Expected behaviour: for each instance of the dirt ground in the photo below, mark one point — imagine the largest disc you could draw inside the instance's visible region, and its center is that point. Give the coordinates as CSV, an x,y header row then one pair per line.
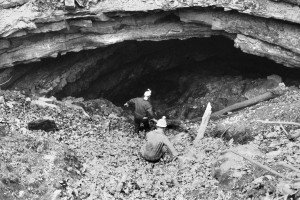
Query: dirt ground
x,y
94,154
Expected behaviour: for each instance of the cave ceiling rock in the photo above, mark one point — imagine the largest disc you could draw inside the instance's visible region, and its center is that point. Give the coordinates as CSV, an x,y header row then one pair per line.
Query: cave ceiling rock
x,y
34,48
273,39
264,8
271,31
104,68
260,48
52,77
32,30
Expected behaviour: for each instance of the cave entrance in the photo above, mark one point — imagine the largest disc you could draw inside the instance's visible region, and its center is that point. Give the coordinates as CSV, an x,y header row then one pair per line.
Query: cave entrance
x,y
184,75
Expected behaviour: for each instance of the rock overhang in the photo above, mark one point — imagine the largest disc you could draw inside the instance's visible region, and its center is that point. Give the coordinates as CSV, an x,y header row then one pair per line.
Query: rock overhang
x,y
29,33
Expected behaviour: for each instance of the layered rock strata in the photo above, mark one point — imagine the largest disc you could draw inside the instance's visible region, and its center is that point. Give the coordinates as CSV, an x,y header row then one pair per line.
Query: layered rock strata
x,y
32,30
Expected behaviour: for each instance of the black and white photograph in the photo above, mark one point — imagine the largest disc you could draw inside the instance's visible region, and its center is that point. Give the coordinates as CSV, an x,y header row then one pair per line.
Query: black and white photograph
x,y
149,99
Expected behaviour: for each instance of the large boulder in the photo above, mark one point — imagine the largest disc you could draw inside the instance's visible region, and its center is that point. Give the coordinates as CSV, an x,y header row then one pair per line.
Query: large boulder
x,y
231,169
238,131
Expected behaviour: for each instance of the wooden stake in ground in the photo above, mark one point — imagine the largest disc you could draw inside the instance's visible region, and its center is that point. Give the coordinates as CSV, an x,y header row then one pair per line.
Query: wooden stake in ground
x,y
204,122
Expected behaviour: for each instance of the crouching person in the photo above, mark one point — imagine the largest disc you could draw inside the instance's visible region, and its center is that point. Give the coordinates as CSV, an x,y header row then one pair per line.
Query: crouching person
x,y
157,143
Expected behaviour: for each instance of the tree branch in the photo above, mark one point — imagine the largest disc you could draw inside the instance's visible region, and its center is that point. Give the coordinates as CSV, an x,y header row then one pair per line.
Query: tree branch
x,y
279,122
289,166
264,97
263,166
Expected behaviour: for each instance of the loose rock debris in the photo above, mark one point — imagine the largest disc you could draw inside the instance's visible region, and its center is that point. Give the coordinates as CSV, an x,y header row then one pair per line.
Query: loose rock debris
x,y
97,157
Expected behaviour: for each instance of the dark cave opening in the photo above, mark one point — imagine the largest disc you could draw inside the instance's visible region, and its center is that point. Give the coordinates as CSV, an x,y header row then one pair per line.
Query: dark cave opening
x,y
184,75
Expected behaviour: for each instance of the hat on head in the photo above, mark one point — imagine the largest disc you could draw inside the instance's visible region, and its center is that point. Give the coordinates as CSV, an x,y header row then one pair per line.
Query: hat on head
x,y
147,93
162,122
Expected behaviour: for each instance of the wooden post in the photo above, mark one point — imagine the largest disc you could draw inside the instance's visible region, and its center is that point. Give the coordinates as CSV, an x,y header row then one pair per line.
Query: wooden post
x,y
204,122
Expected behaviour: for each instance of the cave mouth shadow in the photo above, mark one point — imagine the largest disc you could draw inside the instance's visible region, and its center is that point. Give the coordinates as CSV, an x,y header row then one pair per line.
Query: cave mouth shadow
x,y
180,73
199,62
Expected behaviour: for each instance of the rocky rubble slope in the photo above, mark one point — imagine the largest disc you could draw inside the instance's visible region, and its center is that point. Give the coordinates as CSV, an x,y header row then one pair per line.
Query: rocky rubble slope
x,y
94,154
33,29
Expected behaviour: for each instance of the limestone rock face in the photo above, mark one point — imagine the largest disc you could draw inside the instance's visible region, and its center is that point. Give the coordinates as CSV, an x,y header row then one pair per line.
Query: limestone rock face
x,y
32,30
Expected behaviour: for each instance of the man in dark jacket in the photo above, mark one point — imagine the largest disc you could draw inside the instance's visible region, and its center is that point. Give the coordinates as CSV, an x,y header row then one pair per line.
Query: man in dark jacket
x,y
142,111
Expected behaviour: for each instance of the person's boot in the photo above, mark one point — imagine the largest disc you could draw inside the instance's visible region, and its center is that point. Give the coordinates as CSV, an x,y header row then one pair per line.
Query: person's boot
x,y
136,130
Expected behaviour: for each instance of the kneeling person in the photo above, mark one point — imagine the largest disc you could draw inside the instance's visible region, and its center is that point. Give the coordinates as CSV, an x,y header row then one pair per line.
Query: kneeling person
x,y
153,150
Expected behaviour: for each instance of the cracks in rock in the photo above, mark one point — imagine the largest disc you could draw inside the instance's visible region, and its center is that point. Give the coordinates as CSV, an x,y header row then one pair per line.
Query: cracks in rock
x,y
151,26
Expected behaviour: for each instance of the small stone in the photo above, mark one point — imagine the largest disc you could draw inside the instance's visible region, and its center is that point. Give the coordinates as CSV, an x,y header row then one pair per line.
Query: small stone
x,y
2,100
272,135
296,185
40,148
4,129
23,130
44,99
21,194
10,104
44,104
70,4
275,77
56,195
113,116
273,154
57,185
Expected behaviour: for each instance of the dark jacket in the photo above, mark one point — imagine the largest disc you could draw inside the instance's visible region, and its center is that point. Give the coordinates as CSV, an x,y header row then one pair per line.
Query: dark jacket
x,y
142,108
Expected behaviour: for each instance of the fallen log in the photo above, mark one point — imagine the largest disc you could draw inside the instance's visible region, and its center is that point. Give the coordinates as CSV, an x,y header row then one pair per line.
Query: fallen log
x,y
264,97
239,131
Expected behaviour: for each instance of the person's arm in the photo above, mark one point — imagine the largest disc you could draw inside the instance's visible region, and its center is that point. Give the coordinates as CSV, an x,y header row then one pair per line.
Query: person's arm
x,y
130,102
170,146
150,111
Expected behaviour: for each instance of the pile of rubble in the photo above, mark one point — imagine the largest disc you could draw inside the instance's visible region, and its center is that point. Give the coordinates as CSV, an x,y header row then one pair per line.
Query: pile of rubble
x,y
76,149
